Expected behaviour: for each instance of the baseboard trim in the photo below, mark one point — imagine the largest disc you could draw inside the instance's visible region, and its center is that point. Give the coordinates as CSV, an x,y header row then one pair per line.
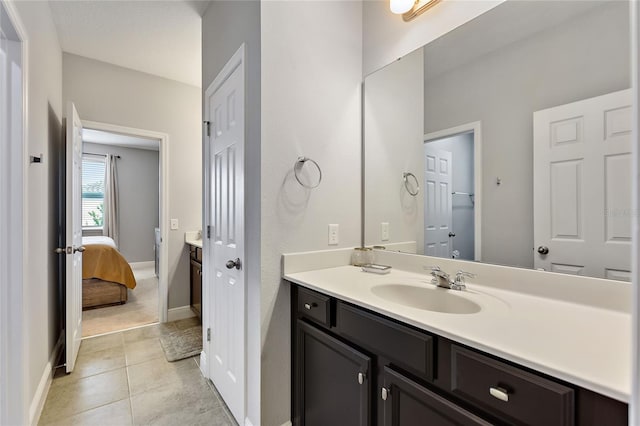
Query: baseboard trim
x,y
181,312
204,368
287,423
142,265
40,397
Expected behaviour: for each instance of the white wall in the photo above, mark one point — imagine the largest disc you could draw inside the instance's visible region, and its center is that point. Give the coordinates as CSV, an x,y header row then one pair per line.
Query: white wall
x,y
110,94
44,113
386,37
138,196
393,131
311,75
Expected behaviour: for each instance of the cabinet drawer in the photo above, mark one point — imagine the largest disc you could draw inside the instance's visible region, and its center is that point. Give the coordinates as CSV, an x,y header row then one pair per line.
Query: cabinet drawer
x,y
403,346
314,305
509,392
196,253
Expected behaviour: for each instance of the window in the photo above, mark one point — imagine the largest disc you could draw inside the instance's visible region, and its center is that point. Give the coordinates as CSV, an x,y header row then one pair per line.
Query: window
x,y
93,177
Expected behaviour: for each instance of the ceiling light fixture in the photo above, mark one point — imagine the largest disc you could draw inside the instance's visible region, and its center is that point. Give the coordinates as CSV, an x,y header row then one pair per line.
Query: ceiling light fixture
x,y
409,9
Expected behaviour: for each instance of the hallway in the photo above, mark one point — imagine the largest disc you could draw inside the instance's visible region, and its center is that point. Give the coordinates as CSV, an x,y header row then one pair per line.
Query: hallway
x,y
124,379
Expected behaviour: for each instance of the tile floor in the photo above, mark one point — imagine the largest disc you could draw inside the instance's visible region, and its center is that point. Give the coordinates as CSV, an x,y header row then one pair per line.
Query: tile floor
x,y
124,379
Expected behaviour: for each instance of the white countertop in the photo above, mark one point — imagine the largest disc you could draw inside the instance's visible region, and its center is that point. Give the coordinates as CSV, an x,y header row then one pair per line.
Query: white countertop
x,y
193,238
582,344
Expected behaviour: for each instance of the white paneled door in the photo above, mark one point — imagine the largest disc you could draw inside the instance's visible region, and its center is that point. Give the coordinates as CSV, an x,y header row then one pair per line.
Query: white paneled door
x,y
582,187
224,270
437,202
73,249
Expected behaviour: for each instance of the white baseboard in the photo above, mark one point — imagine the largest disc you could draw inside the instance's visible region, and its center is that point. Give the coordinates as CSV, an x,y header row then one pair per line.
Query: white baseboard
x,y
40,397
287,423
143,265
179,313
204,369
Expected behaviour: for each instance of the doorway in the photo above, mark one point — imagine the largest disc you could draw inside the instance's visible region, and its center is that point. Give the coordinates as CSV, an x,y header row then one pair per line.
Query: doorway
x,y
140,166
453,194
12,231
122,171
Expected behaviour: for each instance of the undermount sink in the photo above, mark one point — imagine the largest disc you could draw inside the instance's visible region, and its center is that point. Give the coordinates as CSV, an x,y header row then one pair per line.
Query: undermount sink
x,y
429,299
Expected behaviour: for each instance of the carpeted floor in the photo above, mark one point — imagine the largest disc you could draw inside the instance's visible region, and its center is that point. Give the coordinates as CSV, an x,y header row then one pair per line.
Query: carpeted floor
x,y
140,309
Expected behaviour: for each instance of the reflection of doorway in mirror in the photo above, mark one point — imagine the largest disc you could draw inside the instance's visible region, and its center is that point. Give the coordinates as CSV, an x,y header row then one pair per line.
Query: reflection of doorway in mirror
x,y
449,197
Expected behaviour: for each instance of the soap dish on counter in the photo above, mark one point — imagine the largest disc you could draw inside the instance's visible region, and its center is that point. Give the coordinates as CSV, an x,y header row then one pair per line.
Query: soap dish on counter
x,y
376,269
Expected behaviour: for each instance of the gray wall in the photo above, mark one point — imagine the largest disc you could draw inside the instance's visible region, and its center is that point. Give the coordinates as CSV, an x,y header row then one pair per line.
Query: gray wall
x,y
225,26
115,95
461,148
582,59
139,189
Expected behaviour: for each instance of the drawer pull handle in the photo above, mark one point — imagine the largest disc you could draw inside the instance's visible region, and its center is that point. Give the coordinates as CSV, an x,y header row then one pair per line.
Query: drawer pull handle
x,y
499,393
361,377
384,394
308,306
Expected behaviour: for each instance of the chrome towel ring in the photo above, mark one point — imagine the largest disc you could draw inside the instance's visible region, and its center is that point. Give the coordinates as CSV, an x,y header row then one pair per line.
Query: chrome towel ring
x,y
297,169
407,184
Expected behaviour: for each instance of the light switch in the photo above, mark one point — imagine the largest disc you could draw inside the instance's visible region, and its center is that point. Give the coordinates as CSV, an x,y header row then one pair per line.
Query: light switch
x,y
174,224
384,231
333,234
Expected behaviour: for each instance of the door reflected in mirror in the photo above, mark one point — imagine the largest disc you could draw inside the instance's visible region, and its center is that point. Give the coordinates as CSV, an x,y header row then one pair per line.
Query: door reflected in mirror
x,y
517,128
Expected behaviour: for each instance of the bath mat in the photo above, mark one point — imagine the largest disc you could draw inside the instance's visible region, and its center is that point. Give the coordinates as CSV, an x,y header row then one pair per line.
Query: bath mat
x,y
182,343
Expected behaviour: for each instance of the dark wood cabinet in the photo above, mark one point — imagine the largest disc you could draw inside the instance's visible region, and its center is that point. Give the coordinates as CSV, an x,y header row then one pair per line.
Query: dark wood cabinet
x,y
407,403
413,377
332,380
195,278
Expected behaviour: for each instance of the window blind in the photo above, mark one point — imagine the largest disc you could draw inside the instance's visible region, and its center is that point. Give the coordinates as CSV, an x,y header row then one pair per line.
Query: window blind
x,y
93,177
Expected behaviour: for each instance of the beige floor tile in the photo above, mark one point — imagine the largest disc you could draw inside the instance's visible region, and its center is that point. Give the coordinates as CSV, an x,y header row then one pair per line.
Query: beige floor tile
x,y
89,364
100,343
67,398
114,414
143,350
148,332
158,372
185,404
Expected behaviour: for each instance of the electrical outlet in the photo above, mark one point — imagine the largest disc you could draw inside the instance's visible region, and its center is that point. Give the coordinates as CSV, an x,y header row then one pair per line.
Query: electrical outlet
x,y
333,234
384,231
174,224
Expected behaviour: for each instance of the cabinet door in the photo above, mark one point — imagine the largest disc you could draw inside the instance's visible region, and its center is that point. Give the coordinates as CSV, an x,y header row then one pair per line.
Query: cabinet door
x,y
196,287
332,381
406,403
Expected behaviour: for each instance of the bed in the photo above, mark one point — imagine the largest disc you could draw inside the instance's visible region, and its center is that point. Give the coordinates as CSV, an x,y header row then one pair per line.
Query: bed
x,y
106,275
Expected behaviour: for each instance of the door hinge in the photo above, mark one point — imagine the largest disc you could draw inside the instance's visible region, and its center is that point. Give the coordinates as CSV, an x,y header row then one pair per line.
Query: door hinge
x,y
208,231
208,334
207,126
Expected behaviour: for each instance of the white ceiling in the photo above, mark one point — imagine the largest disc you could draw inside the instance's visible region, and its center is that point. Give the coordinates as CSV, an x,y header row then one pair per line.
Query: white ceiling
x,y
157,37
108,138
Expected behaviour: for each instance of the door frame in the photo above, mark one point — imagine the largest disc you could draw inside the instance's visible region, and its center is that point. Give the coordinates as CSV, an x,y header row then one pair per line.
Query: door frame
x,y
475,128
163,138
238,59
634,402
14,404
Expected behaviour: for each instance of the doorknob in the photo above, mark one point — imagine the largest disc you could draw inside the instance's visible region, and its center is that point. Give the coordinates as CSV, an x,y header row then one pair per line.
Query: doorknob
x,y
79,249
452,234
234,264
543,250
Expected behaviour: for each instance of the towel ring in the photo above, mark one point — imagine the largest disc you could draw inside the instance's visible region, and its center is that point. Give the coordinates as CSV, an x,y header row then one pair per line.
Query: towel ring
x,y
405,178
298,166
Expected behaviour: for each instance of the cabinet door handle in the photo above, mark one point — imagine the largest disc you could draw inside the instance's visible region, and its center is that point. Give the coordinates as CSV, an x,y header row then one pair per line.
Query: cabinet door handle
x,y
361,377
384,393
308,306
499,393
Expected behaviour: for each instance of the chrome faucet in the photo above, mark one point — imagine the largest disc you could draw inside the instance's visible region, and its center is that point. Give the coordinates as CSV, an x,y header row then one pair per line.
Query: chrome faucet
x,y
442,279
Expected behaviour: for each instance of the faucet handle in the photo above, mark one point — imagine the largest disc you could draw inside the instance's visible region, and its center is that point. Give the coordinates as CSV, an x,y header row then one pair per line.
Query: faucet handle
x,y
434,268
460,275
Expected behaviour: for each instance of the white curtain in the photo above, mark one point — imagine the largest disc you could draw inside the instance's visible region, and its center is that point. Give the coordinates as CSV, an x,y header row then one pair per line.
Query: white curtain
x,y
110,214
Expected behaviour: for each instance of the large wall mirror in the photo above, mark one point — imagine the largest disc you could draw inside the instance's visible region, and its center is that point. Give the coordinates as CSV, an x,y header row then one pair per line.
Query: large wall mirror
x,y
508,141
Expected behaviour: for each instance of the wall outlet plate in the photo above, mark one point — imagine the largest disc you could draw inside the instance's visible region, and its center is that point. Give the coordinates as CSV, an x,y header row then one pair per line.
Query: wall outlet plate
x,y
384,231
334,231
174,224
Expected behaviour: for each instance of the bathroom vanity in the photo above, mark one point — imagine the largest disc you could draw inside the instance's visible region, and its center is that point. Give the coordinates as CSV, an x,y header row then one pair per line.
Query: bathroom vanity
x,y
396,350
